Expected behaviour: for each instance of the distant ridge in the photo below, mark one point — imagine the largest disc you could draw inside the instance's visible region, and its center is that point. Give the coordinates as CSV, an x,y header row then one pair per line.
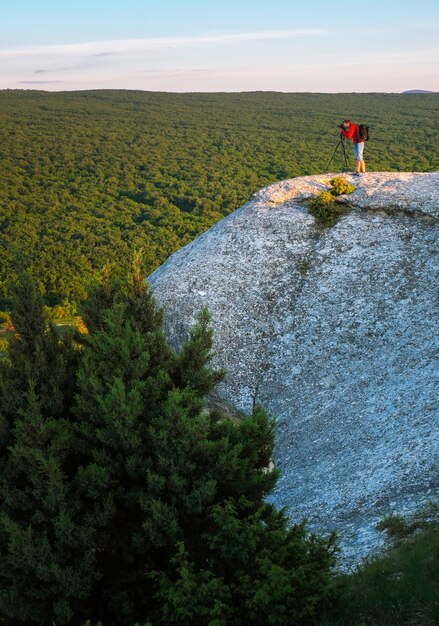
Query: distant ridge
x,y
418,91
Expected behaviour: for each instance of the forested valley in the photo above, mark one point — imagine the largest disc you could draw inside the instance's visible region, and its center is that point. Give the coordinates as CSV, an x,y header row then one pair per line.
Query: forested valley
x,y
90,177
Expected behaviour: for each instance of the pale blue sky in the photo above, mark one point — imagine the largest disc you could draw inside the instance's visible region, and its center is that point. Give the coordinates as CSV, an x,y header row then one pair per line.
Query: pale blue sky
x,y
236,45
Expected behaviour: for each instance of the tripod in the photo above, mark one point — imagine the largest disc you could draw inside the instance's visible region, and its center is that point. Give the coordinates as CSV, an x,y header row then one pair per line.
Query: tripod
x,y
341,142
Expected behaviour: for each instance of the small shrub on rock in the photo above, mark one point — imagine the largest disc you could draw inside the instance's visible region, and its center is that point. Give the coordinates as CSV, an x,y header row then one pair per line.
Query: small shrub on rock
x,y
325,207
399,528
340,186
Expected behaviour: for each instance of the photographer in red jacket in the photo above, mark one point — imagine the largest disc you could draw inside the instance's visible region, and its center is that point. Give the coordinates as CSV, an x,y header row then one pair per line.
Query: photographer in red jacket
x,y
352,131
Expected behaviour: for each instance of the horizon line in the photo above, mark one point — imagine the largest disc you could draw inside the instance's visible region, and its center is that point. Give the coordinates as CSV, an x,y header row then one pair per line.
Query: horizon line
x,y
49,91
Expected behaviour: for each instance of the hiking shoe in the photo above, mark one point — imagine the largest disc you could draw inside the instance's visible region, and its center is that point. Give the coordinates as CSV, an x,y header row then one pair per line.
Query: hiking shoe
x,y
356,174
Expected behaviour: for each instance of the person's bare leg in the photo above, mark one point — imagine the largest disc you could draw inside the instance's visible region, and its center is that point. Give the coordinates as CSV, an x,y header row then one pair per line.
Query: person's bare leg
x,y
357,166
363,166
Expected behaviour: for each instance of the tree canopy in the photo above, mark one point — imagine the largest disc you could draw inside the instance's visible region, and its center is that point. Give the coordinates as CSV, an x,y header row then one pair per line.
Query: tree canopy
x,y
89,177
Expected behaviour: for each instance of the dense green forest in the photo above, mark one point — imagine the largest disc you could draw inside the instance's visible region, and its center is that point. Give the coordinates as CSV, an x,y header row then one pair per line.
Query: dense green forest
x,y
88,177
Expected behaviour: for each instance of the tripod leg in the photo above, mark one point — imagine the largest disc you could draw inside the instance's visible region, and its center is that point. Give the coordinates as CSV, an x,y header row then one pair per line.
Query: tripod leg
x,y
345,157
330,160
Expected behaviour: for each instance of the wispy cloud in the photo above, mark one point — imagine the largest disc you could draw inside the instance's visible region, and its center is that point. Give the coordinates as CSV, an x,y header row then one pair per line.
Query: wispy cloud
x,y
67,68
124,46
39,82
100,54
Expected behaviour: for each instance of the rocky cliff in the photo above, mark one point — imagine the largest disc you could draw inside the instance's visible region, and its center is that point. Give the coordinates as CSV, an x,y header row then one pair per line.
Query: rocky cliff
x,y
336,333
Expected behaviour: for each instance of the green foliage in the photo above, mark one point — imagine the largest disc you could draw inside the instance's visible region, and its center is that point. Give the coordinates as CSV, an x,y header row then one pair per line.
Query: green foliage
x,y
190,370
89,177
38,358
63,311
340,186
325,209
399,528
324,205
399,587
395,526
46,564
102,295
47,561
250,586
125,500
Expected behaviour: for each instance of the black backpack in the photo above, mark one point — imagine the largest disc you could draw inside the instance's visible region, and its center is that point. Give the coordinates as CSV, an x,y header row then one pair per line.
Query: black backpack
x,y
364,132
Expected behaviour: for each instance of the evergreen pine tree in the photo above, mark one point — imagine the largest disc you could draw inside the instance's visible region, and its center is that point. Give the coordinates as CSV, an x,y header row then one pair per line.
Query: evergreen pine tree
x,y
191,539
123,384
190,368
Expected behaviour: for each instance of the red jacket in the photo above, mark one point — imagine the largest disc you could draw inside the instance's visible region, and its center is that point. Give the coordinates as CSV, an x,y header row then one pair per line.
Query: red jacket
x,y
353,133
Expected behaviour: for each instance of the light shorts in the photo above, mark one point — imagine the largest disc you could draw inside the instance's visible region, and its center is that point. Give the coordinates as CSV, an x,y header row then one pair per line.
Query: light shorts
x,y
359,147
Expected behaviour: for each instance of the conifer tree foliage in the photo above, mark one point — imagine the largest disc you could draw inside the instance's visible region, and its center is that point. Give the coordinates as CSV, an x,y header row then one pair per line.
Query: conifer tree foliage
x,y
46,565
36,354
38,361
137,504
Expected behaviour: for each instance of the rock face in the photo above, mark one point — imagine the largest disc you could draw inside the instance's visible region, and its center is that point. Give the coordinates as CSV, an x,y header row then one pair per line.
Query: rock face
x,y
336,333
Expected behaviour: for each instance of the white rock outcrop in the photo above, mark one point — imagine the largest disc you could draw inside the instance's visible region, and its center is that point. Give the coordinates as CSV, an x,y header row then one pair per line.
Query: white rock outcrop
x,y
336,333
